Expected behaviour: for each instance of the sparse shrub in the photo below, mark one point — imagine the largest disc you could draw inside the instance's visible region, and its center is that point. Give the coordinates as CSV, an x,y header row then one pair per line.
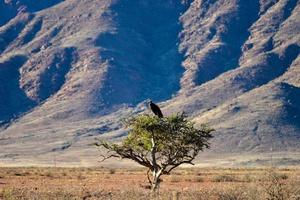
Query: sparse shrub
x,y
247,178
253,192
32,193
274,186
177,172
223,178
7,194
20,174
64,174
198,179
61,195
232,194
107,177
194,179
49,174
174,178
283,176
204,194
112,171
80,176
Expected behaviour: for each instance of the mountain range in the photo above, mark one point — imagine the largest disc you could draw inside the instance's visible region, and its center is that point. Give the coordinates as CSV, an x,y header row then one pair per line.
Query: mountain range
x,y
71,70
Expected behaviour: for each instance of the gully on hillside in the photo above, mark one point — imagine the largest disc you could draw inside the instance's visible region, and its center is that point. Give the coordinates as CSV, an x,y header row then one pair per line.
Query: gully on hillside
x,y
142,51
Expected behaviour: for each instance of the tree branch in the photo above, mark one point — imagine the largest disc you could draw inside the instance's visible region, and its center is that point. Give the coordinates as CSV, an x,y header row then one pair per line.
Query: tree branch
x,y
149,180
107,157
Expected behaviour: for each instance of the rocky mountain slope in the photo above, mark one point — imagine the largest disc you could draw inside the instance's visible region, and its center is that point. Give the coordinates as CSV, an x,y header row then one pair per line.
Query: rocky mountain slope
x,y
71,70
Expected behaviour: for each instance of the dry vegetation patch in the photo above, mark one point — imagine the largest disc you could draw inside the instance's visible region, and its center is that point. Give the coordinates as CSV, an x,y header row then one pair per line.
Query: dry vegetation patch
x,y
189,184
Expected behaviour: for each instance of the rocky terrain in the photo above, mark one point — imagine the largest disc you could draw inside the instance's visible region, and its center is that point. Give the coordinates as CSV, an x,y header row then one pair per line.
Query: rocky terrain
x,y
71,70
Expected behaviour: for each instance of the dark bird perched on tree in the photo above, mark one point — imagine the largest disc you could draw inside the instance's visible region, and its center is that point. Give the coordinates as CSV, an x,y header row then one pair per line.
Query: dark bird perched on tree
x,y
155,109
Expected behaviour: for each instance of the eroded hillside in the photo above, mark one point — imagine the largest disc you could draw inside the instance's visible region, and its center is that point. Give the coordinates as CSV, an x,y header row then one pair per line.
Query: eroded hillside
x,y
71,70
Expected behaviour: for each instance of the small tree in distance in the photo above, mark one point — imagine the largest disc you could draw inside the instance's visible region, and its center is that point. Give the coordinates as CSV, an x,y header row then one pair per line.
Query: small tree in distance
x,y
160,144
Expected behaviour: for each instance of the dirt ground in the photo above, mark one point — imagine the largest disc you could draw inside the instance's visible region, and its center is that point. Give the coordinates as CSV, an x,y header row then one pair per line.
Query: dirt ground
x,y
105,183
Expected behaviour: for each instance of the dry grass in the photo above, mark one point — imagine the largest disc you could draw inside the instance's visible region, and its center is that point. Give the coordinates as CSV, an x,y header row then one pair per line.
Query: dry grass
x,y
189,184
224,178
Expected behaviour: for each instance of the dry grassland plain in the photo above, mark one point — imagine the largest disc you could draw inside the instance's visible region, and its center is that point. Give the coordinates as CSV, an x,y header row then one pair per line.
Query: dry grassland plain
x,y
183,183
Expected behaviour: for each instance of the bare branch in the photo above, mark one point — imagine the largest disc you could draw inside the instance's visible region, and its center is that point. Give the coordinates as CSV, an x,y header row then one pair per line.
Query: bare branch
x,y
177,165
107,157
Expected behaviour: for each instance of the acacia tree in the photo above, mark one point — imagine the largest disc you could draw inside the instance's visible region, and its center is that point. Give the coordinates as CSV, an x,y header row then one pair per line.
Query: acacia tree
x,y
159,144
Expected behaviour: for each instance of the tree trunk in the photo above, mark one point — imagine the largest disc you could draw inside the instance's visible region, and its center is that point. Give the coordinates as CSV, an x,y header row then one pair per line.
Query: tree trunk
x,y
155,182
156,172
